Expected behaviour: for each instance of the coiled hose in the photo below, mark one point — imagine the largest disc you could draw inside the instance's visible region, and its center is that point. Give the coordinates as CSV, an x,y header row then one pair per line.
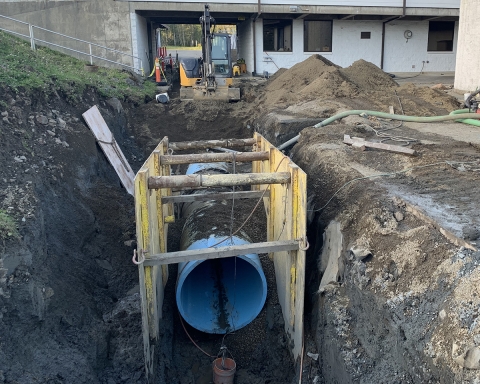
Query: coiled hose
x,y
466,121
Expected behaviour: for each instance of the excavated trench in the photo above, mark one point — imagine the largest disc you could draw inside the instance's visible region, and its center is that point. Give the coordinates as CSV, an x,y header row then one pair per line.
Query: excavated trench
x,y
69,302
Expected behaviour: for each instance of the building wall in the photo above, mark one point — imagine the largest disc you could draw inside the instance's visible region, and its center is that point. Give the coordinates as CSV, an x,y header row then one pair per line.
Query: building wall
x,y
347,47
403,56
467,75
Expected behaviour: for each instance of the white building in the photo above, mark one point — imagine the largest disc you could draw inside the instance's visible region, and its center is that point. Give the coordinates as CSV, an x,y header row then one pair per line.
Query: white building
x,y
396,35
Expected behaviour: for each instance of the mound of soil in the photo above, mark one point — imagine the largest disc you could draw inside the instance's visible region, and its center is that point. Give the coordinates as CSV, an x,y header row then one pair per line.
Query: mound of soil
x,y
316,85
368,76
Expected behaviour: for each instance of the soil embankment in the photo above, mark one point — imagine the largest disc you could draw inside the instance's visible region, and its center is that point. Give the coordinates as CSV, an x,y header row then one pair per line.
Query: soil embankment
x,y
405,309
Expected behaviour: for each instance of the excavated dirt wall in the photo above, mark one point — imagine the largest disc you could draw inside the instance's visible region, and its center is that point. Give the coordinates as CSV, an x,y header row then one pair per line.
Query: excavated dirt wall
x,y
396,313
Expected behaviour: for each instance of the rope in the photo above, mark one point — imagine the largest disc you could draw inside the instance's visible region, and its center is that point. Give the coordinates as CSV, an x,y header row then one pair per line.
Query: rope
x,y
114,145
253,210
196,345
234,165
388,137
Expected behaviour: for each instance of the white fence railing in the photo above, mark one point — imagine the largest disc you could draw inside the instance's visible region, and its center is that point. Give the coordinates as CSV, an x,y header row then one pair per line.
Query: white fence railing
x,y
135,64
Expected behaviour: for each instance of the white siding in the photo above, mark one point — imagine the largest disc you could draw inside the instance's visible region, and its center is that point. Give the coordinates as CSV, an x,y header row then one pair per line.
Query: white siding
x,y
401,56
347,47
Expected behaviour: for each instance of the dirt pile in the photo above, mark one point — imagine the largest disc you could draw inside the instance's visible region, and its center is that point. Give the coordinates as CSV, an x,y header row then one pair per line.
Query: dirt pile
x,y
368,76
318,78
318,88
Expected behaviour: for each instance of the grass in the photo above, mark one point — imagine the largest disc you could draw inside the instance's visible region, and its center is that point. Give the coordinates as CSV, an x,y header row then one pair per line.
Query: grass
x,y
7,227
47,70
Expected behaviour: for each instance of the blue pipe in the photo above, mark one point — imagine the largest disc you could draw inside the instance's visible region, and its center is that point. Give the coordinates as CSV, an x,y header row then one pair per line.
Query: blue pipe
x,y
220,295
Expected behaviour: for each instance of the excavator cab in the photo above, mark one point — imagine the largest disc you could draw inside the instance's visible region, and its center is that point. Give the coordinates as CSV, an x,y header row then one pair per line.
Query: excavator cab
x,y
214,79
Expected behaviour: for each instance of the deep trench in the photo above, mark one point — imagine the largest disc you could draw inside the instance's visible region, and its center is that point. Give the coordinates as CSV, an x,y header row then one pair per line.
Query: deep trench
x,y
73,315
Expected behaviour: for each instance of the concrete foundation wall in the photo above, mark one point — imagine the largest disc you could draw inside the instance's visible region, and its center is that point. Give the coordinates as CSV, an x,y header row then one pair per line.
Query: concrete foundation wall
x,y
140,46
467,75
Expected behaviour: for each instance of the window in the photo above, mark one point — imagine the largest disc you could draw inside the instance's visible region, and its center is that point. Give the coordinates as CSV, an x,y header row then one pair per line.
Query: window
x,y
365,35
440,36
277,35
317,36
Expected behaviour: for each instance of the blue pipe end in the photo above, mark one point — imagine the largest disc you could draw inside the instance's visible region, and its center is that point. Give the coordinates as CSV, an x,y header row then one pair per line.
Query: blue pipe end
x,y
221,295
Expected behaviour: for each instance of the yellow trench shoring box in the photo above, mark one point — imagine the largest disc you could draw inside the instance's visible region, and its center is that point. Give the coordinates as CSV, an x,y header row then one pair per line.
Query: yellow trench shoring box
x,y
285,206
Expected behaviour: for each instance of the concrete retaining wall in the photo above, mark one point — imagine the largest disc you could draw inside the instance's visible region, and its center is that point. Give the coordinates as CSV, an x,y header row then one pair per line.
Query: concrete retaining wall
x,y
105,23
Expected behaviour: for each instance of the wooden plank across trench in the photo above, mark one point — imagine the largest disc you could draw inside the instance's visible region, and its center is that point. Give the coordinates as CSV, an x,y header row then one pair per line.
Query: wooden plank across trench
x,y
216,253
215,196
214,157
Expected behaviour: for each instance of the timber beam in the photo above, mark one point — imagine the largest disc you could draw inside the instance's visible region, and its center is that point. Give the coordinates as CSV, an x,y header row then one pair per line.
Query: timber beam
x,y
214,157
215,196
227,143
195,180
220,252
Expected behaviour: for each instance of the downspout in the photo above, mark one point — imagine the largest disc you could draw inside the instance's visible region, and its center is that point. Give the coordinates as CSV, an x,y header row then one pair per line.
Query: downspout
x,y
383,31
259,11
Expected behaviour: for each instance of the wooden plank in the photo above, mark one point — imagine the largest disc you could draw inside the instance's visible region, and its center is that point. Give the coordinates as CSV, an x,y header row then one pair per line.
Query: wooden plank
x,y
229,180
216,253
213,158
386,147
214,196
418,212
107,142
227,143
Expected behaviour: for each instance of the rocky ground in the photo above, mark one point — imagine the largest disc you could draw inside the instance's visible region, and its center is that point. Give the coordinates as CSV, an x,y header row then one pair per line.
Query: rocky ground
x,y
403,309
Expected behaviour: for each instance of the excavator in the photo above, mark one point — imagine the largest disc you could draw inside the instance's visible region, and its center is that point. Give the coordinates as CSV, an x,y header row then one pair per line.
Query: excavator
x,y
209,77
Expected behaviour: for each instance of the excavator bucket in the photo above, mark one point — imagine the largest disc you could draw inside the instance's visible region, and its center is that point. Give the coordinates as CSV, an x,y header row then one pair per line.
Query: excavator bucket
x,y
220,93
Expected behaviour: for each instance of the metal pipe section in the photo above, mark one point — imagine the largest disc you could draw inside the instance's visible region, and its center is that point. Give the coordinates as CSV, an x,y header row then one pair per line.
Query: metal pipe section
x,y
221,295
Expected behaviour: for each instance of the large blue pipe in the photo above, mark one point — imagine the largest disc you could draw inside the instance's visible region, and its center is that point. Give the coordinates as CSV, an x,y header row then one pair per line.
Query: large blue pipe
x,y
220,295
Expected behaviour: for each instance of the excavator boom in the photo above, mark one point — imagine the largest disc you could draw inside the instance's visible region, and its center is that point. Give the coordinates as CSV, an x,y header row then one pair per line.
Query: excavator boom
x,y
211,76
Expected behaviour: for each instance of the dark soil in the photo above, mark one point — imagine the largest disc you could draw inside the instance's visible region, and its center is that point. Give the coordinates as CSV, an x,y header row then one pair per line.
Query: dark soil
x,y
69,302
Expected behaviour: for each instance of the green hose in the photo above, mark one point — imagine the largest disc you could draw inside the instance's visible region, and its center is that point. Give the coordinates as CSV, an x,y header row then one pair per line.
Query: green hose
x,y
460,116
466,121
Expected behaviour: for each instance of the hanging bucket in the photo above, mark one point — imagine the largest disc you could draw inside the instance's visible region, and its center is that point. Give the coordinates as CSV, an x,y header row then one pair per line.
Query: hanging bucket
x,y
226,373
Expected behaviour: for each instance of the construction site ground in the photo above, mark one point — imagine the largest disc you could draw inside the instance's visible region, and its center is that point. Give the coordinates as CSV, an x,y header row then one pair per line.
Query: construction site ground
x,y
404,309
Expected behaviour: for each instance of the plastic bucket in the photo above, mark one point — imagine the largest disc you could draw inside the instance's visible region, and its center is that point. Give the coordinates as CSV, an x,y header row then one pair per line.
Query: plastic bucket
x,y
225,374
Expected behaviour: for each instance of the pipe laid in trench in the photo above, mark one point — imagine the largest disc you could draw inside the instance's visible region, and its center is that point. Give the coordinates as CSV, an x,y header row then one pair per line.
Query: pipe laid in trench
x,y
220,295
